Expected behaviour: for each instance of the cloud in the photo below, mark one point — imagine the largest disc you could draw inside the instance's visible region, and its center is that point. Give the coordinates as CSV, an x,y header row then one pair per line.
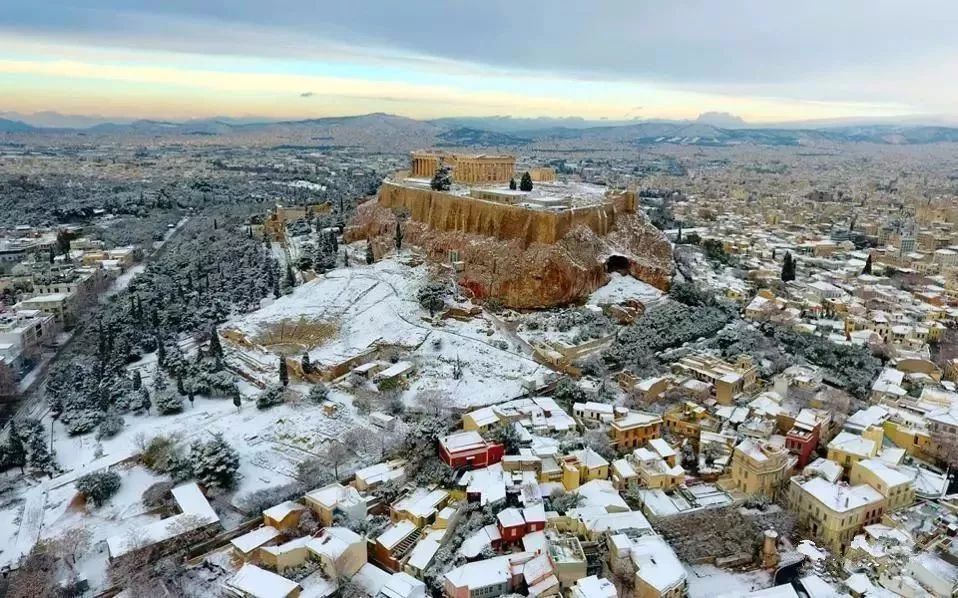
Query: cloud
x,y
881,52
307,94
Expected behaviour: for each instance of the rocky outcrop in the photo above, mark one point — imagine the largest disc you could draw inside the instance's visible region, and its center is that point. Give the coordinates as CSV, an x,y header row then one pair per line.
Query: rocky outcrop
x,y
510,262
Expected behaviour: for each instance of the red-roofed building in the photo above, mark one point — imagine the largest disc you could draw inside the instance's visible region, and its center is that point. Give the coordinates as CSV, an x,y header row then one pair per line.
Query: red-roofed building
x,y
469,450
803,438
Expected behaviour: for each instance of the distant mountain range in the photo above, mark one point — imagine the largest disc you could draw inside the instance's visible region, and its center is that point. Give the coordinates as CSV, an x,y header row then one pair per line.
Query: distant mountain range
x,y
390,132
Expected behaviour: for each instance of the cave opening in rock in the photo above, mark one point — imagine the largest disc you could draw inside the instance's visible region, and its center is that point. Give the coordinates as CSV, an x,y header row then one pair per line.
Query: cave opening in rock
x,y
617,263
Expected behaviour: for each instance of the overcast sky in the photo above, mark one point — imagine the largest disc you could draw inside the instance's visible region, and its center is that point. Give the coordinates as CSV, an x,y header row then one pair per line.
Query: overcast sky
x,y
763,60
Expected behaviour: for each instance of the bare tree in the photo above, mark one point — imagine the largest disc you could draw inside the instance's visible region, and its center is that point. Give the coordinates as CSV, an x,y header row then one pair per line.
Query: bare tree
x,y
72,545
432,402
336,454
36,575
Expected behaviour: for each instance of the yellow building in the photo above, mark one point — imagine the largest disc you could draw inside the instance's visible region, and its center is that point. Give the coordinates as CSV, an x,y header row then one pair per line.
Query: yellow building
x,y
913,437
834,512
635,429
847,449
421,506
581,466
892,484
761,467
324,501
728,379
688,420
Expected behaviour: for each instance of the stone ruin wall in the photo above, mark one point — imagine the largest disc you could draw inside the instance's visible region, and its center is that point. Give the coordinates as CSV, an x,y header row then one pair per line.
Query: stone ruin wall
x,y
450,213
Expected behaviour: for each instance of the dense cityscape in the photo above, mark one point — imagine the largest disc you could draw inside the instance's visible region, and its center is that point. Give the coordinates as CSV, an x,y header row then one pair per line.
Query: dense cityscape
x,y
478,301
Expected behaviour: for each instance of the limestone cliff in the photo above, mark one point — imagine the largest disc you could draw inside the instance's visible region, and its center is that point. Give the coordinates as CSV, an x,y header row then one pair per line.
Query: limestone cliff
x,y
510,262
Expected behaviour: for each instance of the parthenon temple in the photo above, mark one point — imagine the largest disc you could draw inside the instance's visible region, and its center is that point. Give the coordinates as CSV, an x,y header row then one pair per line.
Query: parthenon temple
x,y
467,169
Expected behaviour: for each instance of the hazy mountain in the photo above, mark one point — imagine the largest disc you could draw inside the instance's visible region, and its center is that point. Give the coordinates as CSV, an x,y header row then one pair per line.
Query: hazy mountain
x,y
725,120
14,126
55,120
386,132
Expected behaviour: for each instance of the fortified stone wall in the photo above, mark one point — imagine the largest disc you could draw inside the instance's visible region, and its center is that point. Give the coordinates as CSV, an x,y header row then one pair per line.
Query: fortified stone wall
x,y
451,213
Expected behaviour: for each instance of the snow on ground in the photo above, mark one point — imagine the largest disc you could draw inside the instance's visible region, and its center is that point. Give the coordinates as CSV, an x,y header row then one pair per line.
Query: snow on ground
x,y
709,580
270,443
377,304
623,288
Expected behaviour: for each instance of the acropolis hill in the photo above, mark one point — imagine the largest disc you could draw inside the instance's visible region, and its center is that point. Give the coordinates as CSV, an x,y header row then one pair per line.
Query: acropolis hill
x,y
552,245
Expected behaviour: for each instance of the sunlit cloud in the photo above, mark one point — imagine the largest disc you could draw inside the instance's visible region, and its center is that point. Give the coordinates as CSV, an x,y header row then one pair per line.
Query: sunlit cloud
x,y
620,60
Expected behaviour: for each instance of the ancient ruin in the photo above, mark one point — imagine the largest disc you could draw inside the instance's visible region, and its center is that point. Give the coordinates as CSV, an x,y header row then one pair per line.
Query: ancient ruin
x,y
552,245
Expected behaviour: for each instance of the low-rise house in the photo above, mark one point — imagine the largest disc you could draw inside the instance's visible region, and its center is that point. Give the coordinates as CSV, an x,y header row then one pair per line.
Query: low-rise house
x,y
195,514
340,552
847,448
469,450
594,587
728,379
487,579
252,582
581,466
894,485
245,547
370,477
761,468
419,506
834,512
635,429
803,437
658,572
332,497
283,516
394,543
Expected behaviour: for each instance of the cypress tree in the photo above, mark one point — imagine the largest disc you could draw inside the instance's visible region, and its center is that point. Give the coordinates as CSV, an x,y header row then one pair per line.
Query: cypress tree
x,y
236,399
307,364
216,349
137,380
16,453
525,184
370,257
283,372
788,268
290,276
512,183
868,265
399,236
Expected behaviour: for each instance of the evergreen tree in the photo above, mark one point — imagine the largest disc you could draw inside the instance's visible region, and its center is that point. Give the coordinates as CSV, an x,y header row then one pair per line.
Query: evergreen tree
x,y
290,277
345,258
98,486
137,380
441,181
166,400
678,238
214,463
283,372
788,267
370,257
179,384
160,351
318,393
512,183
398,236
306,364
237,400
216,349
145,402
274,395
16,454
868,265
525,184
